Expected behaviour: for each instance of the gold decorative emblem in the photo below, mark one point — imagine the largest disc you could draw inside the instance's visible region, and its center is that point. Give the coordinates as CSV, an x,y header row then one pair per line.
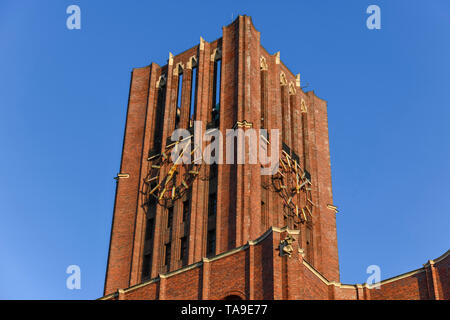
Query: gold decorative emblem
x,y
286,246
293,184
169,175
243,124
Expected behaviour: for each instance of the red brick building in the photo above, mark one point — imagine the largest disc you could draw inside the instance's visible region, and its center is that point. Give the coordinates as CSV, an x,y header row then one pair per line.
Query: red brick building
x,y
226,231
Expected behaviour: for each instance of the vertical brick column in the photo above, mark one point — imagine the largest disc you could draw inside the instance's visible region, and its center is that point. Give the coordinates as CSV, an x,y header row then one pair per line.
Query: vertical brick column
x,y
265,180
431,277
331,292
120,294
277,268
148,143
299,142
162,287
248,198
435,280
360,293
186,96
327,253
185,101
251,272
294,270
226,198
161,213
253,108
122,233
276,122
312,164
286,114
366,293
206,272
198,221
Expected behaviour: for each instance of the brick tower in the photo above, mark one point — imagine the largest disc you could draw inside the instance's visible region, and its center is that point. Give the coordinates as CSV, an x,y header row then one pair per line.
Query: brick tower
x,y
232,82
225,230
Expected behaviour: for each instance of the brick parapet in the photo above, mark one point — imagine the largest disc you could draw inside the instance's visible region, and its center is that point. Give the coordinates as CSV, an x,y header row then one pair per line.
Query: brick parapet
x,y
286,278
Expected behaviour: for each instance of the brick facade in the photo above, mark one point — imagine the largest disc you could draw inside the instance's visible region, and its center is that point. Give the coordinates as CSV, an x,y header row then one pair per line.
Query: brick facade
x,y
257,271
158,252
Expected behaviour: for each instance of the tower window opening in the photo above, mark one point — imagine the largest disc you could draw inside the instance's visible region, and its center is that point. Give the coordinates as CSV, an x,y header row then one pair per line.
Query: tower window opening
x,y
263,99
212,205
178,106
215,112
169,217
183,248
149,229
159,118
213,171
146,265
211,242
167,254
193,105
186,210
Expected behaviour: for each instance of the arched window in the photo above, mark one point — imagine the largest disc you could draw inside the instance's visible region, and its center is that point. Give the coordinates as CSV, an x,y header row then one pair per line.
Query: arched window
x,y
215,84
160,109
285,133
193,105
178,71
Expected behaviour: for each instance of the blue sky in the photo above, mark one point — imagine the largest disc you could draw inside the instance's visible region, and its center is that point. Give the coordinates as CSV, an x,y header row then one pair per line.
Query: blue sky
x,y
63,99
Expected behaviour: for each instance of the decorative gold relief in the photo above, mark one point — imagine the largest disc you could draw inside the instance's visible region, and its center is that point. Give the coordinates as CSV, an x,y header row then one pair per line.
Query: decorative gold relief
x,y
292,90
178,69
303,106
122,176
286,246
161,81
243,124
331,207
217,54
277,57
283,80
192,62
169,178
293,184
263,64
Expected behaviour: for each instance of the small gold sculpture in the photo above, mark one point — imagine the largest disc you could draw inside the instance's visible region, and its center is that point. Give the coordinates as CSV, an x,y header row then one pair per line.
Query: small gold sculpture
x,y
286,246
